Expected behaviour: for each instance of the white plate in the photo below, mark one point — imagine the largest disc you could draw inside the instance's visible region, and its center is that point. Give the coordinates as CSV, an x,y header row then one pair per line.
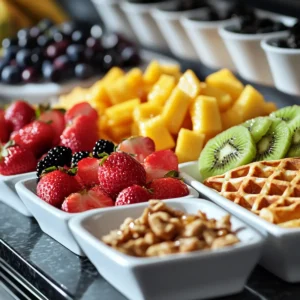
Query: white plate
x,y
198,275
9,194
36,93
281,254
52,220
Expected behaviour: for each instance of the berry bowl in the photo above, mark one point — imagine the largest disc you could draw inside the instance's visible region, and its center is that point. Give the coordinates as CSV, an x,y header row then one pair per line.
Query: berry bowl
x,y
226,269
9,194
245,50
143,24
280,253
52,220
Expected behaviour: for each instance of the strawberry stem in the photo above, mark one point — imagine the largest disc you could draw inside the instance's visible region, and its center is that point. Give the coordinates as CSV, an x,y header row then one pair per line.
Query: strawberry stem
x,y
172,174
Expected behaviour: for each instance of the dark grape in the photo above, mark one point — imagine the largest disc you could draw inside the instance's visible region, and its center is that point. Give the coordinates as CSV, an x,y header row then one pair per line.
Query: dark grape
x,y
44,41
11,75
30,74
110,41
3,63
111,59
83,71
45,24
76,52
57,49
94,44
8,42
23,33
27,42
51,74
130,56
58,37
67,28
10,53
62,63
23,58
79,37
34,32
96,31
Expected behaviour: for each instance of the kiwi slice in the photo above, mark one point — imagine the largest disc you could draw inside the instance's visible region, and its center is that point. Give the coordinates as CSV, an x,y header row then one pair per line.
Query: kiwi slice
x,y
232,148
258,127
294,150
287,114
275,143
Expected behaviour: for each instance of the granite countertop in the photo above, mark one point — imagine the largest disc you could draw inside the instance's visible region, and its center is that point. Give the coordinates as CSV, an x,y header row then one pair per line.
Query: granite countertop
x,y
59,274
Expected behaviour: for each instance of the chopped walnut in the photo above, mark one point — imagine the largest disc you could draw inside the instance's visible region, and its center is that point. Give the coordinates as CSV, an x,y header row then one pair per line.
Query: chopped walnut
x,y
162,230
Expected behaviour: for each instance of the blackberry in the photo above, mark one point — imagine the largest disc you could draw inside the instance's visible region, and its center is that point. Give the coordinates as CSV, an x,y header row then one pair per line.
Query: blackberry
x,y
58,156
79,156
102,146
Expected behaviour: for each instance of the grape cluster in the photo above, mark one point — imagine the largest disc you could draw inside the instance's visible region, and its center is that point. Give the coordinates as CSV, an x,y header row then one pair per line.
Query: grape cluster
x,y
55,53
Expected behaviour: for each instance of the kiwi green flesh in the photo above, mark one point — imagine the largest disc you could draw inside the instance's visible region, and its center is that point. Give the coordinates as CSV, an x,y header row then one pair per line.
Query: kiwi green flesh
x,y
230,149
258,127
275,143
287,114
294,150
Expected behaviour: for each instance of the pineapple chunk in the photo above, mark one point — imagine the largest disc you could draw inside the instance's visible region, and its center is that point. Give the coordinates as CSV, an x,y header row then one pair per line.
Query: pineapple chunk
x,y
269,107
176,109
118,133
112,75
189,145
226,81
187,122
251,103
103,123
156,129
135,129
146,110
152,73
173,70
98,94
224,99
162,90
122,113
190,84
231,117
134,78
205,115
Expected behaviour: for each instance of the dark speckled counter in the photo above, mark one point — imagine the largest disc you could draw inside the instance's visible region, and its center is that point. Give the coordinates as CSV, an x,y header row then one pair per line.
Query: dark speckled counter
x,y
58,274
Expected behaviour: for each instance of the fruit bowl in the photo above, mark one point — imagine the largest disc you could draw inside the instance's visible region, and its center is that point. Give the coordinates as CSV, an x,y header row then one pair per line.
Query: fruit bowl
x,y
9,194
226,270
280,253
52,220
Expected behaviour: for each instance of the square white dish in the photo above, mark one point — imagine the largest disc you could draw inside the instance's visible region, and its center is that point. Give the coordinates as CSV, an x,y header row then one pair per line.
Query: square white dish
x,y
177,276
9,195
52,220
280,252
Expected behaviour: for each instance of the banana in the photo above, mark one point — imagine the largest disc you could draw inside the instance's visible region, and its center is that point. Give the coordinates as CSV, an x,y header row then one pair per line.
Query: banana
x,y
5,24
41,9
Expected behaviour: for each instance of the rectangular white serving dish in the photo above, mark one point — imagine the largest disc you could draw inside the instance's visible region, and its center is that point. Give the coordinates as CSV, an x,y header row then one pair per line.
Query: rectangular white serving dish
x,y
197,275
280,254
52,220
9,194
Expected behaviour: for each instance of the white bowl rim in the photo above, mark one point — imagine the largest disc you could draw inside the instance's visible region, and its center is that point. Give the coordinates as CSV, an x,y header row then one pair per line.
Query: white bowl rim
x,y
188,22
159,13
264,224
269,48
142,7
11,177
75,224
107,2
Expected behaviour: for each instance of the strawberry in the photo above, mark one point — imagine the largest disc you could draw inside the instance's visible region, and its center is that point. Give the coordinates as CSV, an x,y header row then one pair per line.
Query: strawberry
x,y
55,186
81,109
159,163
56,120
133,194
88,171
36,136
19,114
119,171
139,146
86,200
81,135
4,132
16,160
166,188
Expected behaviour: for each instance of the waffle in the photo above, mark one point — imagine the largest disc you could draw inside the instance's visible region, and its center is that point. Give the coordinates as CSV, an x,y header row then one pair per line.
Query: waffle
x,y
270,189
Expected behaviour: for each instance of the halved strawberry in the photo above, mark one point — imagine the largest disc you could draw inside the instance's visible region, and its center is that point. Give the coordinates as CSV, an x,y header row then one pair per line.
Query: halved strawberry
x,y
56,120
81,109
139,146
86,200
159,163
88,171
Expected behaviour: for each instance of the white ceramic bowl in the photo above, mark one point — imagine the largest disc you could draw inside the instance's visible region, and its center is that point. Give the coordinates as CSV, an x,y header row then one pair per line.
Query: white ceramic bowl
x,y
9,194
114,17
285,67
249,58
145,28
52,220
207,42
198,275
280,252
174,33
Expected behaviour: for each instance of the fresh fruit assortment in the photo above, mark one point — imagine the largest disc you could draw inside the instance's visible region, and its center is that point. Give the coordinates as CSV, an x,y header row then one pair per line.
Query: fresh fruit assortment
x,y
258,139
55,53
175,110
162,230
128,173
269,189
292,41
33,131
